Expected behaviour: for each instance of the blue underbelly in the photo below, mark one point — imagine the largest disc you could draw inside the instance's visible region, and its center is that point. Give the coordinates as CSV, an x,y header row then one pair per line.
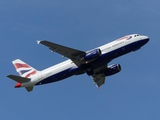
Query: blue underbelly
x,y
56,77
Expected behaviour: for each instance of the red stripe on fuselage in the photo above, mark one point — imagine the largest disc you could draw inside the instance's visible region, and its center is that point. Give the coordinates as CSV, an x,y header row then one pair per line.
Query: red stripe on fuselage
x,y
19,65
123,38
32,73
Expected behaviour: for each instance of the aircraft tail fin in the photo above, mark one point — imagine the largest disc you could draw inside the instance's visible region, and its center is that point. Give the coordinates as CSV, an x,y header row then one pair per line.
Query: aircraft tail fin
x,y
24,69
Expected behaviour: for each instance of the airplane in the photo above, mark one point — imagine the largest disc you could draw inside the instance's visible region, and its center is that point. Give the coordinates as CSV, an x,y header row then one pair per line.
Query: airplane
x,y
93,62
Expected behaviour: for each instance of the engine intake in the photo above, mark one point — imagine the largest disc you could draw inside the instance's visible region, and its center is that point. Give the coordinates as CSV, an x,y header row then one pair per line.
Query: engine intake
x,y
92,55
112,69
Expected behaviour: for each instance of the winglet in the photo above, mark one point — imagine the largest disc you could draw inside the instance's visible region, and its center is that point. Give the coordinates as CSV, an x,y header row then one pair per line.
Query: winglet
x,y
38,41
97,86
29,89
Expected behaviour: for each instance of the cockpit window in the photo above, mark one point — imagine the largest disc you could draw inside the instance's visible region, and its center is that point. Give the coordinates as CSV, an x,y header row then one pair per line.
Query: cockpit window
x,y
136,35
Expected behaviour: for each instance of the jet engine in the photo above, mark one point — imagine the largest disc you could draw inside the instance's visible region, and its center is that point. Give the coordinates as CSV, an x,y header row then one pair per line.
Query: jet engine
x,y
92,55
112,69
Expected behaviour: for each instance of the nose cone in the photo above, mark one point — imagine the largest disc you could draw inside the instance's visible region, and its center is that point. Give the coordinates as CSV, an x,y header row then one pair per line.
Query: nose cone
x,y
145,38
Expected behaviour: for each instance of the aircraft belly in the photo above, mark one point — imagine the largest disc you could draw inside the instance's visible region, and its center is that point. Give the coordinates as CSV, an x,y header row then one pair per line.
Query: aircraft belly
x,y
56,77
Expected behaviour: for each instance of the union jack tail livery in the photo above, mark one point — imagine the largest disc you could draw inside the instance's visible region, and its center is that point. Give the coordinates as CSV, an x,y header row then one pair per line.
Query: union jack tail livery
x,y
24,69
26,73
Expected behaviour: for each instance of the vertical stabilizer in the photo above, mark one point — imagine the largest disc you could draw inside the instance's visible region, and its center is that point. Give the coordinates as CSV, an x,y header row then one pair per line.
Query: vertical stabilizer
x,y
24,69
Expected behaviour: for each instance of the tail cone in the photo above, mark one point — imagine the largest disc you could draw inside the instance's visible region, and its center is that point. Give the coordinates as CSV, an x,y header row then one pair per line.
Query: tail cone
x,y
17,85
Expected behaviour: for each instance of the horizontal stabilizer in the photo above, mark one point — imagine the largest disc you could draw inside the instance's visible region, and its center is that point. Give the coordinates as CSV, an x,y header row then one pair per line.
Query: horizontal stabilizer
x,y
18,78
29,89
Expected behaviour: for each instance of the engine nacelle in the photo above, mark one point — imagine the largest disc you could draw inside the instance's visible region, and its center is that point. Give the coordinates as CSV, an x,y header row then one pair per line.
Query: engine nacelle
x,y
92,55
112,69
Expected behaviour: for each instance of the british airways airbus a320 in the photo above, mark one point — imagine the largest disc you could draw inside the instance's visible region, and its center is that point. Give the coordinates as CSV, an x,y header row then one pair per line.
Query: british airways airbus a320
x,y
93,62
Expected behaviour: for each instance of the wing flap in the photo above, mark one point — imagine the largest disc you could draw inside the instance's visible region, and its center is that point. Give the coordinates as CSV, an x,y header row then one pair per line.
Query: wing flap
x,y
18,78
73,54
99,79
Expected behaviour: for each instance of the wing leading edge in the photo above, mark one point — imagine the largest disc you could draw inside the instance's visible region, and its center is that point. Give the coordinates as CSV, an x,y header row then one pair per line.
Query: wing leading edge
x,y
73,54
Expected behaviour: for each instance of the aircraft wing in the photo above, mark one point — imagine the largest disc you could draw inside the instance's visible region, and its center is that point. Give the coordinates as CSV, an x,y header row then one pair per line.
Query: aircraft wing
x,y
73,54
99,79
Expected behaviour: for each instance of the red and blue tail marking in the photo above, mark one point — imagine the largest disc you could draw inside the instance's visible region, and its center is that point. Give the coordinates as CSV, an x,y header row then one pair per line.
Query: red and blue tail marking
x,y
24,69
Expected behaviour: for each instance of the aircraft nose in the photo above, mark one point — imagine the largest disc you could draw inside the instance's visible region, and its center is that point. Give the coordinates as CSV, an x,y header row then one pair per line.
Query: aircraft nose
x,y
145,38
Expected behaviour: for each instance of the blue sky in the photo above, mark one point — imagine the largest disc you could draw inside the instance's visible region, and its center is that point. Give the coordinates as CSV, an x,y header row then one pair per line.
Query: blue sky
x,y
134,93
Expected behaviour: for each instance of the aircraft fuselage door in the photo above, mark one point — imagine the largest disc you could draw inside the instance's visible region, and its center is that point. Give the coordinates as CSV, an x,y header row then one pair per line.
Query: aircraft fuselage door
x,y
127,41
